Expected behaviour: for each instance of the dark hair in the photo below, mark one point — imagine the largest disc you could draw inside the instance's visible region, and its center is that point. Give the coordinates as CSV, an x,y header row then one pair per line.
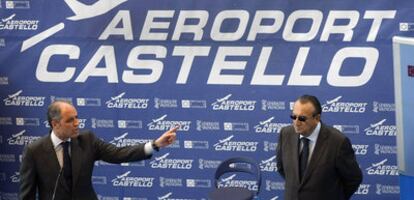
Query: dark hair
x,y
54,111
314,101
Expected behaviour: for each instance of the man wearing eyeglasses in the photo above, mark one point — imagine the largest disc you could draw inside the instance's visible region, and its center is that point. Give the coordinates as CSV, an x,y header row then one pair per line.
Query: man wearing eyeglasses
x,y
316,160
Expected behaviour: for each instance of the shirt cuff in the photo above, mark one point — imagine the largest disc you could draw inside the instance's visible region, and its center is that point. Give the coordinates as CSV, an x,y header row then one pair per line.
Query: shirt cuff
x,y
148,148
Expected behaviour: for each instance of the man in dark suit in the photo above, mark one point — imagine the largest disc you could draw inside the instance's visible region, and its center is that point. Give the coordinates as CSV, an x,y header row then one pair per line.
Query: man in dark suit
x,y
316,160
56,169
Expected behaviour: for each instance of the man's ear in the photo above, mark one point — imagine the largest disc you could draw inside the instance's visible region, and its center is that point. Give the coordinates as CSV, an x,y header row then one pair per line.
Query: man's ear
x,y
55,123
318,117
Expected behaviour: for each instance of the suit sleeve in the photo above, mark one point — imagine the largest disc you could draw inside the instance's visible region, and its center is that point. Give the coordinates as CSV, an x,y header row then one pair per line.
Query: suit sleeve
x,y
113,154
348,168
28,182
279,162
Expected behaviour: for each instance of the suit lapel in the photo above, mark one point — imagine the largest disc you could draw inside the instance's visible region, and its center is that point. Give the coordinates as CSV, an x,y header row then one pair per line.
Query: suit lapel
x,y
52,161
293,142
317,152
51,157
76,159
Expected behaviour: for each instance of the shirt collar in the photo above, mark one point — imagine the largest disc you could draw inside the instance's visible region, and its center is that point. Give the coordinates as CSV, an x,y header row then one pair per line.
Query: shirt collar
x,y
315,133
55,140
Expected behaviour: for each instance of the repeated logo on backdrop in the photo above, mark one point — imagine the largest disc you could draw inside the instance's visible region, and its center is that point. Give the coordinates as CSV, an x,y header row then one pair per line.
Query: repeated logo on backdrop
x,y
228,75
338,105
127,180
16,99
164,162
230,143
13,22
381,128
120,101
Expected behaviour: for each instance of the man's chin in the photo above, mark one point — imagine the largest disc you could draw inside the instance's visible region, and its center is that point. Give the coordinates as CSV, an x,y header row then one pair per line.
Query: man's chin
x,y
75,135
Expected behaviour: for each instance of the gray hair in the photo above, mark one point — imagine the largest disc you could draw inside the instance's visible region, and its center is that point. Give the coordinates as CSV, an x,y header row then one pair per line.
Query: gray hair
x,y
54,111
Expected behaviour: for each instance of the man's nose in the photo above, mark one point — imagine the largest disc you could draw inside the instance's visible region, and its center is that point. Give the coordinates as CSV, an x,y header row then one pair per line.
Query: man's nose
x,y
297,121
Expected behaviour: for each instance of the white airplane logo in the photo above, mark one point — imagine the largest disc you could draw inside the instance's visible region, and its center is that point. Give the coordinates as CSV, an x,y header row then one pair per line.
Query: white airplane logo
x,y
118,97
228,178
8,18
224,140
15,94
165,196
160,158
159,119
222,99
17,135
119,137
268,160
378,164
123,175
376,124
265,122
334,100
83,11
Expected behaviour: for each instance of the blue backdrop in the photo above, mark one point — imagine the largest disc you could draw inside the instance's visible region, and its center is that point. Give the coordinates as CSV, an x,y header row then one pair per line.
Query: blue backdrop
x,y
228,72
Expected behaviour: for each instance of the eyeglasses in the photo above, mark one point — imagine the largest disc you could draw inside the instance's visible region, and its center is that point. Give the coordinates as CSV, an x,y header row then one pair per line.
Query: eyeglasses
x,y
300,117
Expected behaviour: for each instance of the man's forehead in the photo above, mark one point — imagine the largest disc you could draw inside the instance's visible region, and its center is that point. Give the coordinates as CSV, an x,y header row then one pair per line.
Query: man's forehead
x,y
303,107
68,109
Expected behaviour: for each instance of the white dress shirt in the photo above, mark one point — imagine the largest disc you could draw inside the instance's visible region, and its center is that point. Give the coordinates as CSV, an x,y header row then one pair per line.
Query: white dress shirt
x,y
57,145
312,140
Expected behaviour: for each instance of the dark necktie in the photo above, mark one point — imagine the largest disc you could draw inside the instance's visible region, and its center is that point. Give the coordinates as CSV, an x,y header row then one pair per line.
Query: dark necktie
x,y
303,156
67,164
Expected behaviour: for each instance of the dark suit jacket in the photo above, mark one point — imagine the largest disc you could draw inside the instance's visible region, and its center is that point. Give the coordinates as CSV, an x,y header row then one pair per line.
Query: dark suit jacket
x,y
40,167
332,173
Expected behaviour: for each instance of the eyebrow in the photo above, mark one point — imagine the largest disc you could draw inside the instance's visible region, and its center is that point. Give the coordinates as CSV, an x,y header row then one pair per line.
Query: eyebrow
x,y
72,118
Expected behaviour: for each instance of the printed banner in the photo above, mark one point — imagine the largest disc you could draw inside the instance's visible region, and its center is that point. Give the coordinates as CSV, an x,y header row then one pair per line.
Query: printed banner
x,y
228,72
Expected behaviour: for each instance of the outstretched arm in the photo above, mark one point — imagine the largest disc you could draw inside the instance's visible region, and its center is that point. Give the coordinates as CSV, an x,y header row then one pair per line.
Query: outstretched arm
x,y
112,154
167,138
